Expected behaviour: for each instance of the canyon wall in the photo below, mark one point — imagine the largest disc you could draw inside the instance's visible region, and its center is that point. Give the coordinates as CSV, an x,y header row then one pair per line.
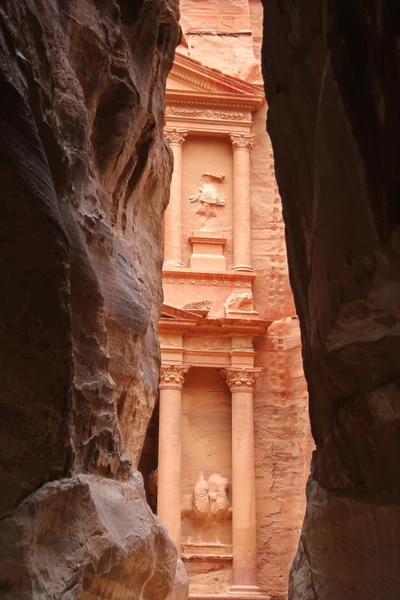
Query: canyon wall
x,y
331,73
84,173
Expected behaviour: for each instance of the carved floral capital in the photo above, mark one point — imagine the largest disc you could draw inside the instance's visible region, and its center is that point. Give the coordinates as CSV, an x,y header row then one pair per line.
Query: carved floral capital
x,y
172,375
176,136
242,140
240,380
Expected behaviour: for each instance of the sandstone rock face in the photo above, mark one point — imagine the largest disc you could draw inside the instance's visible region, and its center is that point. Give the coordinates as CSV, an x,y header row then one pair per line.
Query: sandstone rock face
x,y
84,174
106,533
331,76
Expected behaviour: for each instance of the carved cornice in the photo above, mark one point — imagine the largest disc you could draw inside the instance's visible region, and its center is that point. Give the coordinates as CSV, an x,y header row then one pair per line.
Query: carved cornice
x,y
196,81
176,136
240,380
173,376
242,140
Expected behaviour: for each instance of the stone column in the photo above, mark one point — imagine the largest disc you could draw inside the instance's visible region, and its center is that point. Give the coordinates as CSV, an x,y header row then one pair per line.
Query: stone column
x,y
244,577
169,450
242,144
173,214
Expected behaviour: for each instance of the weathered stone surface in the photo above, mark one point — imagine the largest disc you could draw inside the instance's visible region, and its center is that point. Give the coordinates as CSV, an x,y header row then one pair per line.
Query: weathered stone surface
x,y
86,537
331,75
219,34
84,175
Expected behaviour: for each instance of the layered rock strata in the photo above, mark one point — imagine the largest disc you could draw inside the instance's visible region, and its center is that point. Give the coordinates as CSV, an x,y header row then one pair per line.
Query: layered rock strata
x,y
84,173
331,73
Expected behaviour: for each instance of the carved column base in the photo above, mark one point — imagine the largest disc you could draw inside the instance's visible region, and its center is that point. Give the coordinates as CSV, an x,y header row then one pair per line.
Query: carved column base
x,y
242,268
245,590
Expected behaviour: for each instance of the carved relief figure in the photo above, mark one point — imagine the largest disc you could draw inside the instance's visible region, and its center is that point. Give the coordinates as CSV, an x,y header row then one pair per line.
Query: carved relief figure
x,y
210,500
219,503
208,197
239,301
201,502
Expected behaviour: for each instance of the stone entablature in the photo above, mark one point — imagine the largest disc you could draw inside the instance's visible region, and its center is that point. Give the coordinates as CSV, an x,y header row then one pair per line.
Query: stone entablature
x,y
210,102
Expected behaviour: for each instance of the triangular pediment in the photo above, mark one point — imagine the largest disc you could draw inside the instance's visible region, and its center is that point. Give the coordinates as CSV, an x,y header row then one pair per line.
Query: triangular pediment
x,y
173,83
189,79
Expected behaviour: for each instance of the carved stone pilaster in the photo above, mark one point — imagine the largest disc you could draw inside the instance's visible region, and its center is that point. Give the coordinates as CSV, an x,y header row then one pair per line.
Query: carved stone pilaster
x,y
172,376
176,136
241,380
242,140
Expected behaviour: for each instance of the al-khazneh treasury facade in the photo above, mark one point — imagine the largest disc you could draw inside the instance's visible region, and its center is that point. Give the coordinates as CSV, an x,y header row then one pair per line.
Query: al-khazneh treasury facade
x,y
227,456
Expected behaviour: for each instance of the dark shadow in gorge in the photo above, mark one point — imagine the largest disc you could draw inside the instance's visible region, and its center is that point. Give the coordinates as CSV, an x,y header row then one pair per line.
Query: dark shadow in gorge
x,y
332,79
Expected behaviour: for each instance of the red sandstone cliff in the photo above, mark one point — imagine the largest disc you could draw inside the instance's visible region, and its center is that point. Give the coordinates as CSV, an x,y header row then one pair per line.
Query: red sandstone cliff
x,y
84,174
331,72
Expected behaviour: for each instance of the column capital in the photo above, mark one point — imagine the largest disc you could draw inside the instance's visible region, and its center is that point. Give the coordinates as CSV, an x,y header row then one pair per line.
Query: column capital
x,y
173,376
241,379
242,140
176,136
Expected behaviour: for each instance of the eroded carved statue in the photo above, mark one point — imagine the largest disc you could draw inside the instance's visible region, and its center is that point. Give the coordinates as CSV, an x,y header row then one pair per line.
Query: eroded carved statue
x,y
210,500
239,301
208,198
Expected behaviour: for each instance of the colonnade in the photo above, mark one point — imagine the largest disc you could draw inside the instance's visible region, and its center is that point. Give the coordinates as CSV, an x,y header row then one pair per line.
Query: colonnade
x,y
241,382
242,143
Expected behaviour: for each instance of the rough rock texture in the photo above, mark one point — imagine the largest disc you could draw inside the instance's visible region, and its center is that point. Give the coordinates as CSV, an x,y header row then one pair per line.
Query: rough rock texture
x,y
332,81
219,33
103,529
84,174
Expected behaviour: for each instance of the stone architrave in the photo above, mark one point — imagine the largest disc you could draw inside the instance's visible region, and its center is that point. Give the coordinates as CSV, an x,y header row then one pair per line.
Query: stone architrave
x,y
173,214
241,383
169,450
242,144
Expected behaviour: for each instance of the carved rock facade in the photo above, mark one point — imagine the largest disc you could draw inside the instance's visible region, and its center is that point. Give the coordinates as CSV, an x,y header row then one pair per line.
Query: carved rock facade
x,y
228,305
84,175
332,83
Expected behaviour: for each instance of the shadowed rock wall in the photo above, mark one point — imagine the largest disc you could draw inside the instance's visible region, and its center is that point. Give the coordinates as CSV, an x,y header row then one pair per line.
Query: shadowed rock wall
x,y
332,80
84,176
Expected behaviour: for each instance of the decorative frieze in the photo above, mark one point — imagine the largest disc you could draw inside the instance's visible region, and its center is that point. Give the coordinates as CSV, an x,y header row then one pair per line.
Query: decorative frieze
x,y
240,380
172,376
208,282
207,113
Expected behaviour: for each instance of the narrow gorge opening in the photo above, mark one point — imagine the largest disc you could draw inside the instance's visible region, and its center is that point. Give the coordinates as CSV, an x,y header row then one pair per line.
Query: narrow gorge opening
x,y
135,381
